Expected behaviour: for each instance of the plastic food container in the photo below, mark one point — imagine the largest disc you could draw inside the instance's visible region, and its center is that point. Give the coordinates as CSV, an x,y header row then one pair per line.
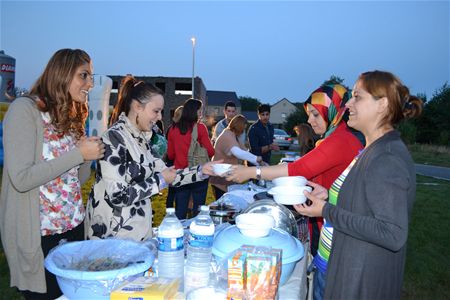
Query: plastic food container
x,y
92,269
255,225
230,239
290,181
220,169
289,195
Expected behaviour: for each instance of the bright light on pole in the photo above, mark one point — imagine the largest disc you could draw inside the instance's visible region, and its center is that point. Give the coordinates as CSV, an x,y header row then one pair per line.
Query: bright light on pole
x,y
193,64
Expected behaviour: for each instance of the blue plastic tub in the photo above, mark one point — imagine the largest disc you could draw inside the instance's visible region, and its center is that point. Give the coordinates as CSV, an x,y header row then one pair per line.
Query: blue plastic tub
x,y
230,239
92,269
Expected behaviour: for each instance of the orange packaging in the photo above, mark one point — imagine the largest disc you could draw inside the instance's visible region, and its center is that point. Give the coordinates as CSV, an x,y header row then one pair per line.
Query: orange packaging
x,y
236,275
258,279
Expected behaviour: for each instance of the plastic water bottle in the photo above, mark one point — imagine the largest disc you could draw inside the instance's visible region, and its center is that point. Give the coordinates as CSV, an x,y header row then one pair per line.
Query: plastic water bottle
x,y
199,251
170,246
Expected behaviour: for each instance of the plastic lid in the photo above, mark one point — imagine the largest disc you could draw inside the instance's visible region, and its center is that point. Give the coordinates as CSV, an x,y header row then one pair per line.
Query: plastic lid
x,y
204,208
170,210
230,239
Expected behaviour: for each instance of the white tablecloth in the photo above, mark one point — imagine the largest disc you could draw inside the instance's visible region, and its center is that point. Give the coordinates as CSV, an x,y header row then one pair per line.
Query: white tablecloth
x,y
296,287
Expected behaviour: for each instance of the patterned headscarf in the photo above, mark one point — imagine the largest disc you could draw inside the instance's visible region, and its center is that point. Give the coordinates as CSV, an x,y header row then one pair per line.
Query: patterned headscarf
x,y
330,101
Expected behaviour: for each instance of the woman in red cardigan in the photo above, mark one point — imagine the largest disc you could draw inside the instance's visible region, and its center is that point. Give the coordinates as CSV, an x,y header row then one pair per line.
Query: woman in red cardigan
x,y
332,154
179,140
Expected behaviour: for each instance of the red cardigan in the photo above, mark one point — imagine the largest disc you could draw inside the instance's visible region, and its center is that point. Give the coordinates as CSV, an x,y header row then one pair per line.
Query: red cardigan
x,y
329,159
178,144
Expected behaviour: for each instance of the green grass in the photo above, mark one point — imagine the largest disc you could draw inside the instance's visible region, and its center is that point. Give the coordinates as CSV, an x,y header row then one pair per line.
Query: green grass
x,y
430,154
426,274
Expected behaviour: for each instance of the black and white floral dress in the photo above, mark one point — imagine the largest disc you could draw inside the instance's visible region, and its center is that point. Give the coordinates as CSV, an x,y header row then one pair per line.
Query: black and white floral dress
x,y
128,175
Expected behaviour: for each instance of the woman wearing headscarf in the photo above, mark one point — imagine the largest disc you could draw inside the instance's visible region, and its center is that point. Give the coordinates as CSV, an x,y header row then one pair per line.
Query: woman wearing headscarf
x,y
333,152
369,206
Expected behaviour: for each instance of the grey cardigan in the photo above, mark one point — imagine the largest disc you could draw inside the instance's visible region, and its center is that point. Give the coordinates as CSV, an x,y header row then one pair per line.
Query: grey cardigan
x,y
24,172
370,223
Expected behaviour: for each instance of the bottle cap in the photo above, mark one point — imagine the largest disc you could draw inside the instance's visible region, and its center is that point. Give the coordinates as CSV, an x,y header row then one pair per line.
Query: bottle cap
x,y
170,210
204,208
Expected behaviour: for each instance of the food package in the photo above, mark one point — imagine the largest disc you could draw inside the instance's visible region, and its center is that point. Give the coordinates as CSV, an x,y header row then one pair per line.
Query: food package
x,y
236,275
147,288
258,281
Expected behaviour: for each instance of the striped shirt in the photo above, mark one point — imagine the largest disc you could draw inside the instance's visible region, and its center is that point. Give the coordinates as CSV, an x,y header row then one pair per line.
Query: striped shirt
x,y
326,233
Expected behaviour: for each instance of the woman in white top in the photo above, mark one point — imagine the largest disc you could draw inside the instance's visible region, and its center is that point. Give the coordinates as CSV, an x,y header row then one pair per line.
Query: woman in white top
x,y
228,149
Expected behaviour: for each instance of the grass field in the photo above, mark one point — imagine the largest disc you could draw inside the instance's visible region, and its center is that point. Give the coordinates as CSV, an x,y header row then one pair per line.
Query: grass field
x,y
427,273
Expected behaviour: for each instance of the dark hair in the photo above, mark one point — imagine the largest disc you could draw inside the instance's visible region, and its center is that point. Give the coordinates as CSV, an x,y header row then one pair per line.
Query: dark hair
x,y
263,108
189,115
306,138
52,90
229,104
400,103
132,89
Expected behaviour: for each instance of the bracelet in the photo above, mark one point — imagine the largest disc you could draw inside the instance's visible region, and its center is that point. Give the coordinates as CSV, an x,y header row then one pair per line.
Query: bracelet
x,y
258,172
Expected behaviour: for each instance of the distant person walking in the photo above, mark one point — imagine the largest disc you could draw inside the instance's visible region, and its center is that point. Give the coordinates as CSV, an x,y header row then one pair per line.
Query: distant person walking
x,y
179,141
261,135
47,158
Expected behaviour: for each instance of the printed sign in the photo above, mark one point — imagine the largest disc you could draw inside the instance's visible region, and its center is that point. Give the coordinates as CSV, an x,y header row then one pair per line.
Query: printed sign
x,y
7,68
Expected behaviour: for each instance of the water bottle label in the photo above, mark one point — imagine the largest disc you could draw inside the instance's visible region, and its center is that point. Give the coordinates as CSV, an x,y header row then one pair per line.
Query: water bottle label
x,y
204,241
170,244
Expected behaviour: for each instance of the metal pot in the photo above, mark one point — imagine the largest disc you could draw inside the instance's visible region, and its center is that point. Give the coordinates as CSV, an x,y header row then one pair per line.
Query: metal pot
x,y
222,213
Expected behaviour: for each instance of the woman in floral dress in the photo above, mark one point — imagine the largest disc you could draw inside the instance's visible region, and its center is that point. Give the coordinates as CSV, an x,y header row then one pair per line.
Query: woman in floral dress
x,y
129,174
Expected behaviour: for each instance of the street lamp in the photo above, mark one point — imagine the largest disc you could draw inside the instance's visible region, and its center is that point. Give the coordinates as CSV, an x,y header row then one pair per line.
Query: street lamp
x,y
193,64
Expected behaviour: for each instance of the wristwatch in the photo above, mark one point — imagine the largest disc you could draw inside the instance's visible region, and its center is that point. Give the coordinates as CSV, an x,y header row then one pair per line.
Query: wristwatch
x,y
258,172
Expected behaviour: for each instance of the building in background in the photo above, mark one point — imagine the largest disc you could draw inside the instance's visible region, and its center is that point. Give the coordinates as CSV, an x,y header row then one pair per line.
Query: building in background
x,y
176,90
216,102
280,111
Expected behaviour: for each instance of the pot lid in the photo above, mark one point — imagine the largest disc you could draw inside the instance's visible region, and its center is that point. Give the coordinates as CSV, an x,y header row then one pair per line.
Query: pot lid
x,y
230,239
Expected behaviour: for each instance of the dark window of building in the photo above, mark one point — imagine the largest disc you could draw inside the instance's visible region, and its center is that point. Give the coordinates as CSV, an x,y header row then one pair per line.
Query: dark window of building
x,y
182,88
115,85
161,86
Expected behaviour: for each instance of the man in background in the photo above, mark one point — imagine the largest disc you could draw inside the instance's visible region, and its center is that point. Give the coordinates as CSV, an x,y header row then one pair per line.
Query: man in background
x,y
229,112
260,135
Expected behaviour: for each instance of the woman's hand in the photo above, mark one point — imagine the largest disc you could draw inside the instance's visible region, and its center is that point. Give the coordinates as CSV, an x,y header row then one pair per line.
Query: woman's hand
x,y
317,197
207,168
318,191
92,148
238,173
169,174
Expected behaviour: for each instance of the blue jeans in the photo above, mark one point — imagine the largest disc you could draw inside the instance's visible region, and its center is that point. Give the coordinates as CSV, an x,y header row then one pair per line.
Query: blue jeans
x,y
319,284
198,190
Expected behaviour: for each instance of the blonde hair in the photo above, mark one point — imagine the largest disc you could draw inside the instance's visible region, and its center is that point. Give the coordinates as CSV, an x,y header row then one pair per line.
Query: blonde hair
x,y
237,124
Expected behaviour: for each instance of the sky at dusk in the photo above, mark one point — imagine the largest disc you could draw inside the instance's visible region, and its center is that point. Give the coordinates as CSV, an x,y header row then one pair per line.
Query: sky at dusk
x,y
268,50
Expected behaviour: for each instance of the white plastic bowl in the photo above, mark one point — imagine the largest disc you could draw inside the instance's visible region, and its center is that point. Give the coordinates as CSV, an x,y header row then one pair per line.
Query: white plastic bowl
x,y
255,225
290,181
289,195
220,169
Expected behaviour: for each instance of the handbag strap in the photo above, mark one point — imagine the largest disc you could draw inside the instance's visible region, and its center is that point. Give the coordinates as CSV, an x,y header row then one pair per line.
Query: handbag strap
x,y
194,132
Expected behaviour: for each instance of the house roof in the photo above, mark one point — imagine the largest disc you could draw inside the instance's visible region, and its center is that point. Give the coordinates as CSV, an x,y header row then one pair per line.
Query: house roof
x,y
219,98
250,115
284,99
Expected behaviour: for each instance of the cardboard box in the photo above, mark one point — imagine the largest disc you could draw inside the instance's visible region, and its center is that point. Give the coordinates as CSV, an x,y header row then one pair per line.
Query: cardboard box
x,y
146,288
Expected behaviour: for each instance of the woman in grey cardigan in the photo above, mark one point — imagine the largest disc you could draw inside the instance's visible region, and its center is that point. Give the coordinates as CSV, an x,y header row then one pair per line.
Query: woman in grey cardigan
x,y
46,152
370,204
